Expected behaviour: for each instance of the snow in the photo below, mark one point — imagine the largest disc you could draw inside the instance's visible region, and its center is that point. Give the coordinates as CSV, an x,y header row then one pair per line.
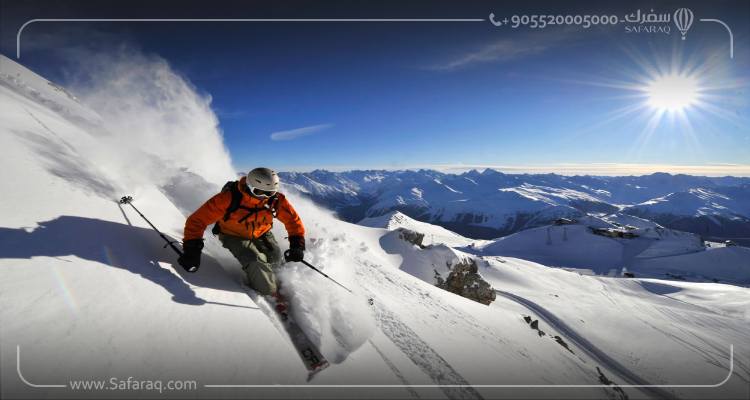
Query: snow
x,y
726,264
655,252
624,220
639,322
572,246
432,234
89,291
549,194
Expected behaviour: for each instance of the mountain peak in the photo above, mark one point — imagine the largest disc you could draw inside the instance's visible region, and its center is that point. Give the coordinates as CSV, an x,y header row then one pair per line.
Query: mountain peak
x,y
491,172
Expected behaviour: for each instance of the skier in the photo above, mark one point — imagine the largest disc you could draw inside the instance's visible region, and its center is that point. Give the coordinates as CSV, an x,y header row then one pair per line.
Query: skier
x,y
243,215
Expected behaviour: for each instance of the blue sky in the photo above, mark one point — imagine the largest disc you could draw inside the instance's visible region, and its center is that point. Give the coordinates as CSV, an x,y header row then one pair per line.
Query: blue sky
x,y
397,95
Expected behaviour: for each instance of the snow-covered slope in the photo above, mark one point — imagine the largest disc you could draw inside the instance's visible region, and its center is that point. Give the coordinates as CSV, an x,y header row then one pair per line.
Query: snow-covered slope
x,y
572,246
90,293
725,264
633,326
651,251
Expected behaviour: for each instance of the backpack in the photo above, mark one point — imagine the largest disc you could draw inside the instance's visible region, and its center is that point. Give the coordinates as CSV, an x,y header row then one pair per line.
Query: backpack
x,y
235,204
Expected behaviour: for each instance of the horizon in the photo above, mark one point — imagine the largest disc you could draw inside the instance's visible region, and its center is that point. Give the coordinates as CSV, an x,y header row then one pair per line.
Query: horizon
x,y
618,170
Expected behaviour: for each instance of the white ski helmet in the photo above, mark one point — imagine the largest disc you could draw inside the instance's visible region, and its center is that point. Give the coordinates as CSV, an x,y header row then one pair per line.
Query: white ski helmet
x,y
263,182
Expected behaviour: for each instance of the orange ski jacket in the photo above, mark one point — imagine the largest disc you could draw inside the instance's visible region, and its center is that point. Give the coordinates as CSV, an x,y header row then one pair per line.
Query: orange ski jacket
x,y
251,227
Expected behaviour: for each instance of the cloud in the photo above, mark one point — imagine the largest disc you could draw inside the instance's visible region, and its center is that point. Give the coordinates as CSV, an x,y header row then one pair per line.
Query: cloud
x,y
299,132
504,50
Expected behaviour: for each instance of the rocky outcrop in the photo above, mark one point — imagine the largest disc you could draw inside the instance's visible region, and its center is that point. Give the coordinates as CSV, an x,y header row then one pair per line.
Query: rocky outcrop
x,y
412,237
464,280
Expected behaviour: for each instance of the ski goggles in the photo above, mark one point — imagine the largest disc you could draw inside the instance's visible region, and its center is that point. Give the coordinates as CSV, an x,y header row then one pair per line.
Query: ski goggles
x,y
260,192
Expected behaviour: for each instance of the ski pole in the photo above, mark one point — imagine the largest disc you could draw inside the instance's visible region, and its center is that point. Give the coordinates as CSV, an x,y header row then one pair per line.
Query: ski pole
x,y
320,272
129,200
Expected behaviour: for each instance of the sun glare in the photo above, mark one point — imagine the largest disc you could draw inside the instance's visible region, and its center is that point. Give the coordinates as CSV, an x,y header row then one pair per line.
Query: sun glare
x,y
672,92
670,96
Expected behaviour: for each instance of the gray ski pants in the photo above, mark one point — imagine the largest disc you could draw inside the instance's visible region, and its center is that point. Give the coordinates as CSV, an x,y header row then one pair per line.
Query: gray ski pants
x,y
258,257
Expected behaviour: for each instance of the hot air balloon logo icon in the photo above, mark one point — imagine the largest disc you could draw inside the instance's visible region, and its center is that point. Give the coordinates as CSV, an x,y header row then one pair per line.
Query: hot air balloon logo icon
x,y
683,18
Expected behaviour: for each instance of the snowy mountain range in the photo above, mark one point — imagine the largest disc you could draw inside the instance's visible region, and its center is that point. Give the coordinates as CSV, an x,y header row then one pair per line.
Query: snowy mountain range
x,y
89,293
490,204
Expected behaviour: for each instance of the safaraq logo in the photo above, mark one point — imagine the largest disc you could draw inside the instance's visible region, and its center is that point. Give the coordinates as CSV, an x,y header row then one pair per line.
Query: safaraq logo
x,y
683,19
639,22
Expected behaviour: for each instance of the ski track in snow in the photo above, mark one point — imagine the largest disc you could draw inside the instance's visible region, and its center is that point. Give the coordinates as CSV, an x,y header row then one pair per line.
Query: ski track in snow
x,y
395,370
412,345
587,347
476,327
424,356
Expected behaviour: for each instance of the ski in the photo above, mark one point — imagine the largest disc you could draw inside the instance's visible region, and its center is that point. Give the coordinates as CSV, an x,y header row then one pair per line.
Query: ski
x,y
312,358
308,352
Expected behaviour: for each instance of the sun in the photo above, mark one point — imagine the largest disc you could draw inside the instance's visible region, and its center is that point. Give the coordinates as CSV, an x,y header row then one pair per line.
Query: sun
x,y
669,97
672,92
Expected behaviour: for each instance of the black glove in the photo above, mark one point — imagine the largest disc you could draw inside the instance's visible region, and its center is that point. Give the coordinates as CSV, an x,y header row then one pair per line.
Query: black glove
x,y
191,255
296,250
